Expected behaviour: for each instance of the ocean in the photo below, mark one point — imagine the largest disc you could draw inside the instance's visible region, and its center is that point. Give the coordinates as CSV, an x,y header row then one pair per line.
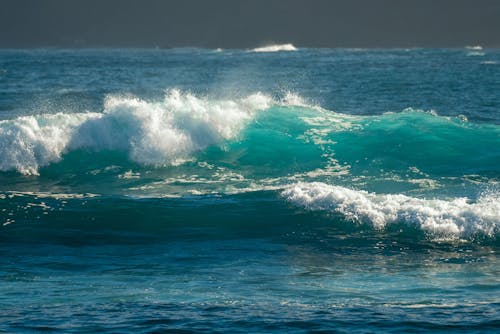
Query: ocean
x,y
279,189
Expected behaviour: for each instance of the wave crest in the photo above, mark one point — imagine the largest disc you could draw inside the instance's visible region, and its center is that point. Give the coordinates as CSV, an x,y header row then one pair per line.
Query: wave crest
x,y
155,133
453,219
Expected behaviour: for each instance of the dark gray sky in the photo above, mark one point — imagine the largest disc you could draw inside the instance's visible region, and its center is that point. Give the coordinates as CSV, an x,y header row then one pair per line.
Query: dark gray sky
x,y
249,23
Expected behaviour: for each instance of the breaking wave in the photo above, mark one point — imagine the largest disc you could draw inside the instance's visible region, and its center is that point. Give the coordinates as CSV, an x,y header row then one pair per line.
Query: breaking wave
x,y
154,133
455,218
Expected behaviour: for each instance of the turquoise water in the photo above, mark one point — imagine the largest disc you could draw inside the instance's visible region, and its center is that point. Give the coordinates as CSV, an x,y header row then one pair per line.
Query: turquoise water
x,y
192,190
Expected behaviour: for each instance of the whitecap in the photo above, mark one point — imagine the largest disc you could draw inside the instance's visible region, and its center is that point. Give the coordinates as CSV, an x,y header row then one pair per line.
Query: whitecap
x,y
474,47
454,218
276,48
152,133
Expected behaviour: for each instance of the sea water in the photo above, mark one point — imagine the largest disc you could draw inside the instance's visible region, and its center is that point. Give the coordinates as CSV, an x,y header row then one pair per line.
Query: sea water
x,y
279,189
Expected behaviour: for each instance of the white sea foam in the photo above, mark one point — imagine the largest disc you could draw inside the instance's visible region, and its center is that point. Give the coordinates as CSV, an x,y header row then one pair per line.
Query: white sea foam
x,y
32,141
154,133
474,47
455,218
276,48
129,175
41,194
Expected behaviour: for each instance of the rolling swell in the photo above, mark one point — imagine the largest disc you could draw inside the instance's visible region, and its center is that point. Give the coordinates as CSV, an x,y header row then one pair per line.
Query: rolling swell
x,y
438,175
315,214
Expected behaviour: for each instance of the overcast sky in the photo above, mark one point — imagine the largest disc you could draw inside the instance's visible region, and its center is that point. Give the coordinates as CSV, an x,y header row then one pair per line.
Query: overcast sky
x,y
249,23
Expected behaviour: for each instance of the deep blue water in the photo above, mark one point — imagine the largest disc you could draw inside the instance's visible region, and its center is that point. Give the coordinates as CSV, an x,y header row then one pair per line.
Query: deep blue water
x,y
192,190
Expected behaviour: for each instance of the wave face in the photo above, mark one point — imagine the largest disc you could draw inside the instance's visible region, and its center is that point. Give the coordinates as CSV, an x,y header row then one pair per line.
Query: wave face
x,y
455,218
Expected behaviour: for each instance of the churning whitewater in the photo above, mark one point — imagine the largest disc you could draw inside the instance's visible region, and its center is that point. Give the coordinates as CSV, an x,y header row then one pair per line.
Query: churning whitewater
x,y
454,218
158,133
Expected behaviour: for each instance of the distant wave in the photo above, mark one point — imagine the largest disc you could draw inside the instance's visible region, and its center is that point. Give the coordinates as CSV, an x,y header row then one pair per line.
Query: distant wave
x,y
475,51
474,47
276,48
454,218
